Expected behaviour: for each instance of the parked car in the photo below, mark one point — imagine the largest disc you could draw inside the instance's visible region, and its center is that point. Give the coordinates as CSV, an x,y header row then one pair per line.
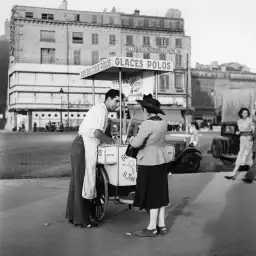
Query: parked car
x,y
226,146
187,159
54,127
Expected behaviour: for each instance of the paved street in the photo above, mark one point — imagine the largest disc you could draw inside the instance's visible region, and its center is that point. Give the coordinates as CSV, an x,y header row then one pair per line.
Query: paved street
x,y
208,216
26,155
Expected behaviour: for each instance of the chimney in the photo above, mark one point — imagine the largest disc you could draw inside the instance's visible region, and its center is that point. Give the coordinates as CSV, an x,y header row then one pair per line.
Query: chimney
x,y
64,5
7,29
137,12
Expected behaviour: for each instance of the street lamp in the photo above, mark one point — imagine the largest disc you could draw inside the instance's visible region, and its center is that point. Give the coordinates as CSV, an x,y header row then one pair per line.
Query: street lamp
x,y
61,92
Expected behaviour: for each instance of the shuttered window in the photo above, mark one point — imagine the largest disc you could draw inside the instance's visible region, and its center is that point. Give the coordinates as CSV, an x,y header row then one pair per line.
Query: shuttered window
x,y
178,60
95,57
162,41
179,82
178,42
77,37
129,40
164,83
146,40
77,57
47,56
47,36
162,56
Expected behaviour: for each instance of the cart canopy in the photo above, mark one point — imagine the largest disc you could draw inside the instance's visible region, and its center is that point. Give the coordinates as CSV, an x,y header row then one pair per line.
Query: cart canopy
x,y
113,65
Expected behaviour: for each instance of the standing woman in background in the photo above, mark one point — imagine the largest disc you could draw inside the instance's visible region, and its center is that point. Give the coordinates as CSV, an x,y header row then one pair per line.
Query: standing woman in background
x,y
246,129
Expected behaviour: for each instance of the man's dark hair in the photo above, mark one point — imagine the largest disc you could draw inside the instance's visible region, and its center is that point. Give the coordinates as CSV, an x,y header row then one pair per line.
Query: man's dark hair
x,y
112,93
195,124
150,111
242,110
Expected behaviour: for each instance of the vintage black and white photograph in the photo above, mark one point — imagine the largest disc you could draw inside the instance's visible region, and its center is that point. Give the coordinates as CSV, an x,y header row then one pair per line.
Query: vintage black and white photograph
x,y
127,128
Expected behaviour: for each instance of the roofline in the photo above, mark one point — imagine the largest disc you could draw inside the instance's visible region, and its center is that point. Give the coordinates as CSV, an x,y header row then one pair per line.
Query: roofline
x,y
114,13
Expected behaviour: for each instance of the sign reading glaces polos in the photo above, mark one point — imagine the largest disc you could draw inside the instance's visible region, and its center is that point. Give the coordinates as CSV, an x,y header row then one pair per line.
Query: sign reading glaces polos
x,y
130,63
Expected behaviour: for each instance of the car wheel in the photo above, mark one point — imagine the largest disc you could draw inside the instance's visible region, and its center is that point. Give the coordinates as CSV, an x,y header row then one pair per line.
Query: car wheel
x,y
216,149
190,163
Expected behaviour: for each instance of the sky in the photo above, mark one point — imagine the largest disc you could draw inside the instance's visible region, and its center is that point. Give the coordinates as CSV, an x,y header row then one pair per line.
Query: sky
x,y
220,30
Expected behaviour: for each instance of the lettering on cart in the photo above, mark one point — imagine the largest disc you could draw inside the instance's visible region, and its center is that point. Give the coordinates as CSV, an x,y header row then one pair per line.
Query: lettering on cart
x,y
129,176
124,157
96,68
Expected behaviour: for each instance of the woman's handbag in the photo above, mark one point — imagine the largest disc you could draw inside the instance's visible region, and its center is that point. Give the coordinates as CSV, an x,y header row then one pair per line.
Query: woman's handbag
x,y
131,151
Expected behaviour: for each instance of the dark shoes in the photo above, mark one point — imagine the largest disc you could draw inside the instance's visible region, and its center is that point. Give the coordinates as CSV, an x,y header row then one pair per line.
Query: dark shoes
x,y
247,180
230,177
151,233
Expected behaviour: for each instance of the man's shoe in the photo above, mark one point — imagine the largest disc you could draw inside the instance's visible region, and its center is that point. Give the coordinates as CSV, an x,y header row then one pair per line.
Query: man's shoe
x,y
146,233
247,180
162,230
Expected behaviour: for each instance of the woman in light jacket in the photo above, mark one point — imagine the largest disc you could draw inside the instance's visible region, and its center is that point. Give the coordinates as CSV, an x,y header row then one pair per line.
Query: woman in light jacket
x,y
152,180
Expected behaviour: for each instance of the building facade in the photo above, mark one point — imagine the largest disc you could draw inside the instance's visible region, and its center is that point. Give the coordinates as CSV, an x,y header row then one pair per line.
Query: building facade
x,y
210,84
50,47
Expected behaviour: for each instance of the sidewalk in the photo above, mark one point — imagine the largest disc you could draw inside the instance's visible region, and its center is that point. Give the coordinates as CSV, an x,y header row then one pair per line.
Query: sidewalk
x,y
208,216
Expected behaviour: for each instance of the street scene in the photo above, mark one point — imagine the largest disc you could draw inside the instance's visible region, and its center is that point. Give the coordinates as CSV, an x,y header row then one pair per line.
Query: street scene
x,y
117,137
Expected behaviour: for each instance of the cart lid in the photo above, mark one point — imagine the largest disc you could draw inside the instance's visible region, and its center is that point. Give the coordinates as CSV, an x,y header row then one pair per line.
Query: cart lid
x,y
131,65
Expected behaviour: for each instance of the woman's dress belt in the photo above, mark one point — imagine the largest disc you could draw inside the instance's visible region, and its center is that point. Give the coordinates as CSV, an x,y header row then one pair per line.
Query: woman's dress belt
x,y
246,133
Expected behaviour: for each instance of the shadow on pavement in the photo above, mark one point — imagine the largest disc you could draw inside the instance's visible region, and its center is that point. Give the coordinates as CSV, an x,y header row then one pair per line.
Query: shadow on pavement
x,y
234,233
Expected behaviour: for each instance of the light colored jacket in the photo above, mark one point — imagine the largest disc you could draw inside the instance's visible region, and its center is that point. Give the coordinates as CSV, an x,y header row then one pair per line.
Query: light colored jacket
x,y
152,133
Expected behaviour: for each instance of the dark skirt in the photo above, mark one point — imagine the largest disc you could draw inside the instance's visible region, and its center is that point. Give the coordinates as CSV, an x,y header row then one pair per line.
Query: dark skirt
x,y
152,187
78,208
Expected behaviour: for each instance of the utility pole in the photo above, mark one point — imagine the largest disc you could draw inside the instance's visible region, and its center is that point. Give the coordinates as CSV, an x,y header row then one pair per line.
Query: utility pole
x,y
67,67
186,116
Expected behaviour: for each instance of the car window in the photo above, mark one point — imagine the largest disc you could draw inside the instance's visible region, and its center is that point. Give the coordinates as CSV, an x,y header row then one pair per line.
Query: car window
x,y
230,129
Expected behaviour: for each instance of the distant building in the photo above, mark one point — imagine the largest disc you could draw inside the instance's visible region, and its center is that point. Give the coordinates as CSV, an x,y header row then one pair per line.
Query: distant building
x,y
49,48
208,84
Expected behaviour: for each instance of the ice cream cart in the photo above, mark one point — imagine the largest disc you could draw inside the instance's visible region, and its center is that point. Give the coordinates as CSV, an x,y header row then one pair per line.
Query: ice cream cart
x,y
116,173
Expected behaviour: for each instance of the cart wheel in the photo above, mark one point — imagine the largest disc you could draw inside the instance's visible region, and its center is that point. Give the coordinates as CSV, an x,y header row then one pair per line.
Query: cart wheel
x,y
99,205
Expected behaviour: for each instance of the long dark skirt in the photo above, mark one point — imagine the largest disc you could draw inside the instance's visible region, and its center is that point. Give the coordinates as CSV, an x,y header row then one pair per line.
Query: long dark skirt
x,y
152,187
77,207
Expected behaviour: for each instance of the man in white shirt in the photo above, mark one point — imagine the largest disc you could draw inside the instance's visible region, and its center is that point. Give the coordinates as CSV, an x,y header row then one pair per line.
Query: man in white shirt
x,y
84,158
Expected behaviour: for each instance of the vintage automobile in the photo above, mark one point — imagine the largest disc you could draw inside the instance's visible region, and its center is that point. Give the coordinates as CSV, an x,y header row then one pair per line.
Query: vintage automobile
x,y
54,127
187,159
226,146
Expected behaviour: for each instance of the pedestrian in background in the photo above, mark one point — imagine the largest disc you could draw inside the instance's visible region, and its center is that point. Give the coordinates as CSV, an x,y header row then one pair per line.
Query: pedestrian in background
x,y
152,181
251,174
194,138
246,129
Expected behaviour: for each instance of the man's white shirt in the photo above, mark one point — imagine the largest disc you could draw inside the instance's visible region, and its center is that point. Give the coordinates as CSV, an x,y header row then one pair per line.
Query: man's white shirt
x,y
95,119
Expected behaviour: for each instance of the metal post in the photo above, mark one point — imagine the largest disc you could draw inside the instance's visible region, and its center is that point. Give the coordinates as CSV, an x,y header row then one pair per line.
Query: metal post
x,y
61,108
187,80
157,85
93,91
68,69
120,104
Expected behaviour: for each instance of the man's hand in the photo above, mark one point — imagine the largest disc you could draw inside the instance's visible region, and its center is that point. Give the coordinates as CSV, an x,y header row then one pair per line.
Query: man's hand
x,y
238,132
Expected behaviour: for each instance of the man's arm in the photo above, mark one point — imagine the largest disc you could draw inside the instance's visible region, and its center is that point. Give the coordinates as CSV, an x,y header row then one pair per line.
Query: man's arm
x,y
100,135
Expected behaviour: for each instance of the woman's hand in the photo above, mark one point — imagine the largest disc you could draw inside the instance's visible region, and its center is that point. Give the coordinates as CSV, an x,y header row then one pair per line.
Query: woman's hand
x,y
130,140
238,132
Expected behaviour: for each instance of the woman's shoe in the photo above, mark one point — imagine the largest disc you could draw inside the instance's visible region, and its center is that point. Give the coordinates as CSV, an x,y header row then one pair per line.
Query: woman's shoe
x,y
233,177
162,230
146,233
91,225
247,180
70,221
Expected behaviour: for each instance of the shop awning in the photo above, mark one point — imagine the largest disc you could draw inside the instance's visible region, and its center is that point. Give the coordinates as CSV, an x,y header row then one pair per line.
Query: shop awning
x,y
108,69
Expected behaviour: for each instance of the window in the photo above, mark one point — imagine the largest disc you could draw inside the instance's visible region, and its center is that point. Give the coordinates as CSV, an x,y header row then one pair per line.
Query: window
x,y
29,14
94,18
178,42
129,54
77,37
77,57
77,17
47,36
49,115
162,41
129,40
42,115
164,83
55,115
47,56
179,82
72,115
95,57
36,115
162,56
47,16
131,21
145,23
177,24
146,40
112,39
66,115
84,115
111,20
161,23
102,19
178,60
78,115
146,56
95,39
